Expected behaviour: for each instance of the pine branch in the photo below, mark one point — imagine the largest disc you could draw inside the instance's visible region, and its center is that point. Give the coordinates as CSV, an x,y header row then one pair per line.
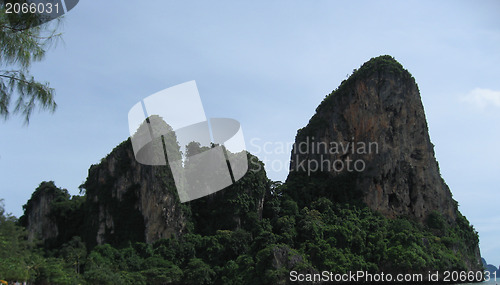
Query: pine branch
x,y
15,78
30,94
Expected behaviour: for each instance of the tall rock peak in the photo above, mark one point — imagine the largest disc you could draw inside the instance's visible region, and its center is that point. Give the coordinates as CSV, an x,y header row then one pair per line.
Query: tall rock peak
x,y
373,129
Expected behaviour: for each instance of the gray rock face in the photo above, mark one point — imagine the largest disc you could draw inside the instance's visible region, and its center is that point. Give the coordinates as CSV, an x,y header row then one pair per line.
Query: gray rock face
x,y
39,223
131,201
283,257
374,124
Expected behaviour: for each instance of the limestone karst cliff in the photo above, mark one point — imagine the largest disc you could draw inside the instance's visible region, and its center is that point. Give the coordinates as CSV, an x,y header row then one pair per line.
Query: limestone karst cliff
x,y
38,220
364,193
376,120
126,200
371,133
52,215
129,200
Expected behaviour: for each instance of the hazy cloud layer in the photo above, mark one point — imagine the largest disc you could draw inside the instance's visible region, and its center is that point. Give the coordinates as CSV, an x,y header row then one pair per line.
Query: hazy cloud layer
x,y
482,98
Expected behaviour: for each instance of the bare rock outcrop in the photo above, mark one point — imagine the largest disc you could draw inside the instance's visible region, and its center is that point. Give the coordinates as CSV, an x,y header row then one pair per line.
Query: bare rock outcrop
x,y
37,219
374,126
127,200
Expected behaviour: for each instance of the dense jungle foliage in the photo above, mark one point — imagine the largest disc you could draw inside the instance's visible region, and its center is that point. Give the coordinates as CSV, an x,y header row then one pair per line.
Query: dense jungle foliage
x,y
291,235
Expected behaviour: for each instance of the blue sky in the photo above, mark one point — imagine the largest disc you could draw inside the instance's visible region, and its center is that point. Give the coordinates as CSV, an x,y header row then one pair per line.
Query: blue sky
x,y
267,64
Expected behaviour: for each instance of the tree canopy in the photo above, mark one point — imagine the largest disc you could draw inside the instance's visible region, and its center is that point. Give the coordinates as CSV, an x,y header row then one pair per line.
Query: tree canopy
x,y
22,42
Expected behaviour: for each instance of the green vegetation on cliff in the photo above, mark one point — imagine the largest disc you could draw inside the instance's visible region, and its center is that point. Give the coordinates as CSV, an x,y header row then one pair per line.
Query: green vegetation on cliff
x,y
381,65
129,226
323,235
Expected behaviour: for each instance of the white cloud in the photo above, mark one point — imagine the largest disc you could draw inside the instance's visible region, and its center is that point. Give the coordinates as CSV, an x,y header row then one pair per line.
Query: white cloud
x,y
482,98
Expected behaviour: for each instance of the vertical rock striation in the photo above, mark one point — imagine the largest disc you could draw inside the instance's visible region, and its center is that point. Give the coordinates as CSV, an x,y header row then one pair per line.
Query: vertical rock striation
x,y
37,219
130,201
